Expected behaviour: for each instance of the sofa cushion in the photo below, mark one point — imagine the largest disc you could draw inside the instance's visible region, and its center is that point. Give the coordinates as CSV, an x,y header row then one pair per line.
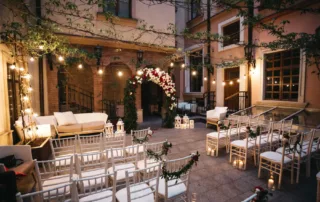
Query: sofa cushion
x,y
24,168
70,128
65,118
221,109
91,117
94,125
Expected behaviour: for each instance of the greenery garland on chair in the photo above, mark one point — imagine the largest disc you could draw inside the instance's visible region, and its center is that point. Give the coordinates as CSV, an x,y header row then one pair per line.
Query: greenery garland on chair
x,y
222,126
253,134
158,156
296,147
167,175
140,140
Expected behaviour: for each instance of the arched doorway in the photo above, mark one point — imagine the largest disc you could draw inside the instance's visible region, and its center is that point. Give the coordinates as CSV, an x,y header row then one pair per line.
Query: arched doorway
x,y
151,100
114,81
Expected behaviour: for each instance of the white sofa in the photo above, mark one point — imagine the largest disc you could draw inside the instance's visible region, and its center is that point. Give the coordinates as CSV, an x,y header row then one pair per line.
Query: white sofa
x,y
215,115
85,123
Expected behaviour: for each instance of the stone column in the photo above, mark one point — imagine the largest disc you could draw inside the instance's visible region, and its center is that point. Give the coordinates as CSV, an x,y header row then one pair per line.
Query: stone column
x,y
97,90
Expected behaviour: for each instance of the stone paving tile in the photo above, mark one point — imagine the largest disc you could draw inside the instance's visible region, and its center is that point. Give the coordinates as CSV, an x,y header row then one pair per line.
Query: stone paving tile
x,y
215,180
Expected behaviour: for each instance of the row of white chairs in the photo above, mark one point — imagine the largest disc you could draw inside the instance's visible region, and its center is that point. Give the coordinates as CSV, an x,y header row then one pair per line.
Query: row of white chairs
x,y
93,184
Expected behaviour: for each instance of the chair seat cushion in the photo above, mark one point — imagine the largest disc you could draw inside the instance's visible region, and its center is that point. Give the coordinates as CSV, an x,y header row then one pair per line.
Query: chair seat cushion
x,y
94,125
138,193
150,163
242,143
92,173
102,196
63,162
69,128
24,168
274,137
56,181
175,190
214,135
258,142
274,156
303,153
121,170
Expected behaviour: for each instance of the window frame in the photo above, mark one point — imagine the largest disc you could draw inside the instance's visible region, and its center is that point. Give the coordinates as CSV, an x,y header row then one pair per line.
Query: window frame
x,y
198,72
281,77
117,9
198,12
225,23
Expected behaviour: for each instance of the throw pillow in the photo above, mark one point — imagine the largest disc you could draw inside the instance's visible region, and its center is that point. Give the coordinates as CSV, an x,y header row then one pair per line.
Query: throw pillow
x,y
65,118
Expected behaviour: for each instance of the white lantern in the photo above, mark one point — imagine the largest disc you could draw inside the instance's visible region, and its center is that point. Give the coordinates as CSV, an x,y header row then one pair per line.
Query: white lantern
x,y
109,128
186,120
120,126
177,122
191,124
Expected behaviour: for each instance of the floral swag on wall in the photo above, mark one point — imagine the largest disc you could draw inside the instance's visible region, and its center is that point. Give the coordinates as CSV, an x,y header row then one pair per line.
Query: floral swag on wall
x,y
160,78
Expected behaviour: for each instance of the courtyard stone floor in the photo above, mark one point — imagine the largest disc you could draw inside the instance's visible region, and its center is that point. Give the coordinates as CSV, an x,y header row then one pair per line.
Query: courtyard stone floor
x,y
215,180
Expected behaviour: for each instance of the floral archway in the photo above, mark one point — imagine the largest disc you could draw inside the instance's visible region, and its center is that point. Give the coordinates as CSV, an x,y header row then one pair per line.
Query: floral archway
x,y
161,78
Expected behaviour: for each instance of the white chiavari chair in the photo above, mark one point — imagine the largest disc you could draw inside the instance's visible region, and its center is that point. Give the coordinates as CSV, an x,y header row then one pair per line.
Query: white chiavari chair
x,y
141,185
63,147
90,143
147,162
91,164
243,123
139,134
53,173
174,188
55,194
118,141
121,164
276,162
302,155
96,191
220,138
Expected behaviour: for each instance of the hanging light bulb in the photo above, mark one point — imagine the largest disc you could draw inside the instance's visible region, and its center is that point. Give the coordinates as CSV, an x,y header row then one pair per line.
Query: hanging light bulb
x,y
223,83
171,64
41,47
27,76
214,82
157,69
205,79
13,66
80,66
100,71
183,65
231,82
120,73
194,73
30,89
25,98
60,58
139,72
238,80
21,69
31,59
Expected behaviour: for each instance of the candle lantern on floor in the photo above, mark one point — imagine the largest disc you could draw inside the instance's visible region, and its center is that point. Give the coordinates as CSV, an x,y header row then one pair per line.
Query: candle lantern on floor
x,y
208,151
271,182
191,124
120,126
186,121
177,122
109,128
241,164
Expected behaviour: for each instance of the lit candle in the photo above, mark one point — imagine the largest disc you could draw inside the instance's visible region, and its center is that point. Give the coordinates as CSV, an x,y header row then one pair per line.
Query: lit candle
x,y
234,164
241,164
209,151
270,182
212,152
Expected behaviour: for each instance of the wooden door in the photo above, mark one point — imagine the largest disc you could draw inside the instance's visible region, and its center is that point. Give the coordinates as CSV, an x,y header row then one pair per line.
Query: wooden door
x,y
231,88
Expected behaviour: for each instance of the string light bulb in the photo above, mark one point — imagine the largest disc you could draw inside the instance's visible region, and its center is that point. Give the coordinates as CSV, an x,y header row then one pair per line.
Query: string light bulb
x,y
183,65
28,110
30,89
214,82
244,76
205,79
231,82
238,80
31,59
13,66
27,76
80,66
223,83
41,47
100,71
60,58
171,64
194,73
25,98
120,73
35,115
21,69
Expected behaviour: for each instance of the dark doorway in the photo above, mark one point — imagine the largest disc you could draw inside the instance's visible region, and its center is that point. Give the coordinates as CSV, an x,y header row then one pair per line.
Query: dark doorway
x,y
151,99
231,88
14,99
